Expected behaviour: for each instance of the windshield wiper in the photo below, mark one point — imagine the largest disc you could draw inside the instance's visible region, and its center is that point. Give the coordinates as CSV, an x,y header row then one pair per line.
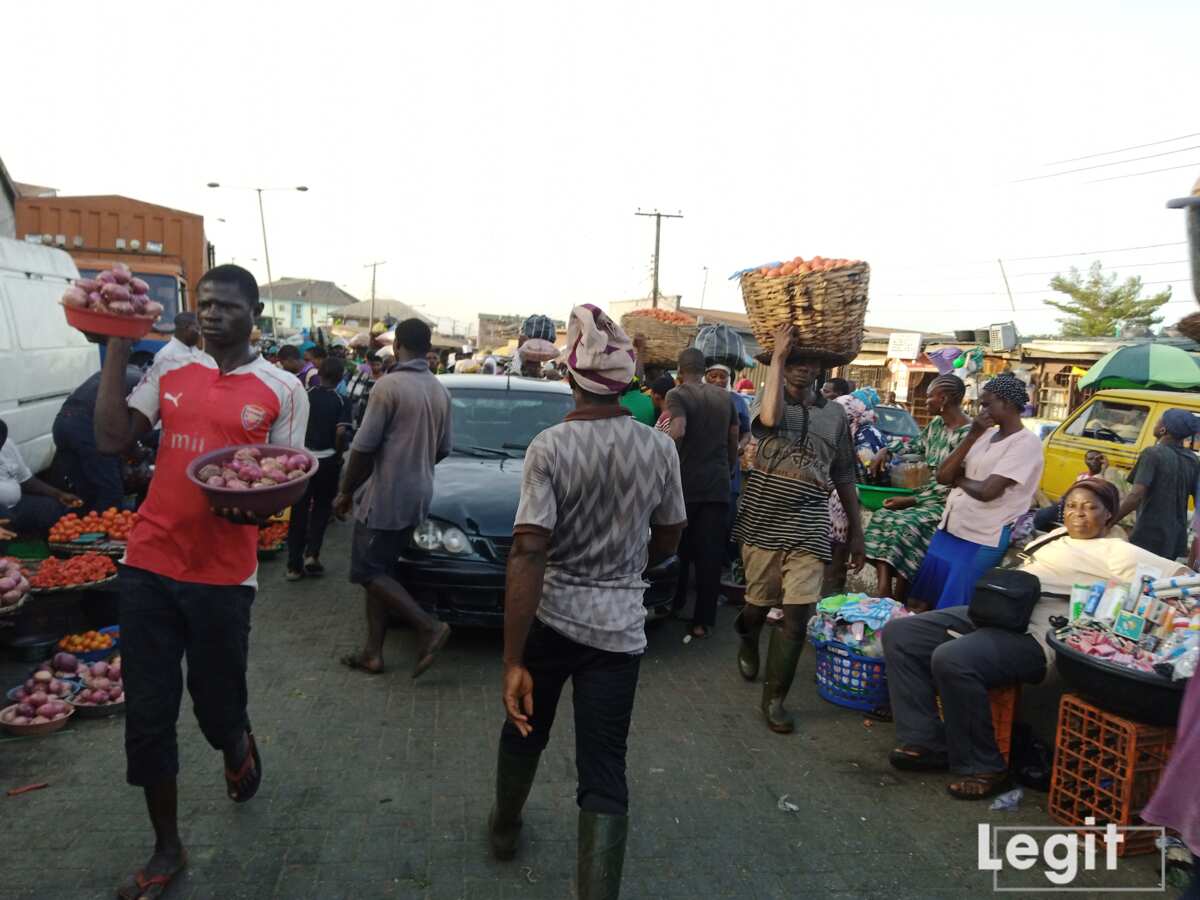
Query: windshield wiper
x,y
480,451
515,446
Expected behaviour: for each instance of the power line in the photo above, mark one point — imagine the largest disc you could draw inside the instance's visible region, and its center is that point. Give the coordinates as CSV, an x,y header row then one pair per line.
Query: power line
x,y
1119,162
1094,252
1147,172
1002,293
1063,162
1112,265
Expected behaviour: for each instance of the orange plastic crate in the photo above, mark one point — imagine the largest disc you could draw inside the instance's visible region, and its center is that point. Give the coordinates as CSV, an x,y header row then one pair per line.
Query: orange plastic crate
x,y
1106,767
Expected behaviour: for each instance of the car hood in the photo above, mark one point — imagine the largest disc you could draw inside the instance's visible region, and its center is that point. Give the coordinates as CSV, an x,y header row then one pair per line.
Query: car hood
x,y
478,494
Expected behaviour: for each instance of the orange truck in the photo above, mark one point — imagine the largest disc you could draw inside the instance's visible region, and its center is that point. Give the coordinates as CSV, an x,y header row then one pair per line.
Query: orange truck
x,y
164,247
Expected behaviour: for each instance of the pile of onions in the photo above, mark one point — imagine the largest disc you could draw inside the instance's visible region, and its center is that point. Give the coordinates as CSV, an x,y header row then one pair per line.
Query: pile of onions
x,y
13,585
101,685
115,291
249,469
41,699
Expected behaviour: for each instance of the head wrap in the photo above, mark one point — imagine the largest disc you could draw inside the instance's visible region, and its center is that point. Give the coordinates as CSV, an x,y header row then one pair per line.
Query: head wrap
x,y
951,384
599,352
856,412
1010,389
868,396
536,350
540,327
1180,423
1106,492
724,368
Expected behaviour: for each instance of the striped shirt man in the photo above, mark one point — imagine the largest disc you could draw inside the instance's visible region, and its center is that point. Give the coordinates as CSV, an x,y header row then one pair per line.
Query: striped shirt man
x,y
785,495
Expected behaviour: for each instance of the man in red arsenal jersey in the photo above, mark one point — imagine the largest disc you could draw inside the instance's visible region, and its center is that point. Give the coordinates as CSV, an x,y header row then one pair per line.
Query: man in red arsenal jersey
x,y
189,575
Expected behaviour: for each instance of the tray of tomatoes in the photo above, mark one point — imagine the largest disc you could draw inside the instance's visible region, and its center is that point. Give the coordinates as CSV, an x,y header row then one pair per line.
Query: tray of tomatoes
x,y
104,532
271,539
83,571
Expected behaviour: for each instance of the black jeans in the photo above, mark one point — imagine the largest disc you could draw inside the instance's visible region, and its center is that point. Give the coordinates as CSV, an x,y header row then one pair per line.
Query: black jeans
x,y
95,477
604,685
921,657
310,516
161,621
703,545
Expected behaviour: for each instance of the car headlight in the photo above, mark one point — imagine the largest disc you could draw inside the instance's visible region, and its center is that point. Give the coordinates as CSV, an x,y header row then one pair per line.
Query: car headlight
x,y
433,537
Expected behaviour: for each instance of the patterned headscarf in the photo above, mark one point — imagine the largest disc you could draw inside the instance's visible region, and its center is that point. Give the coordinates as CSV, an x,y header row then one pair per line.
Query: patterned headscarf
x,y
538,326
599,352
1010,389
856,412
868,396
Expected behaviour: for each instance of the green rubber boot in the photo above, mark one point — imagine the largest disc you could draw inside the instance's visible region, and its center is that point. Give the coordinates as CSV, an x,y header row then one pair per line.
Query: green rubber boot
x,y
601,855
747,654
514,777
782,656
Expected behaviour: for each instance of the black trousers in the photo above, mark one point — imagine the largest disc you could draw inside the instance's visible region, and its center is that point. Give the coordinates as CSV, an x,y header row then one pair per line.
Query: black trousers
x,y
162,620
310,516
703,545
604,685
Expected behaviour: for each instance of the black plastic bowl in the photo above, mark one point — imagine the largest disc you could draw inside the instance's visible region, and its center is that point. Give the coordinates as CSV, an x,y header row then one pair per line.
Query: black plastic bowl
x,y
1142,696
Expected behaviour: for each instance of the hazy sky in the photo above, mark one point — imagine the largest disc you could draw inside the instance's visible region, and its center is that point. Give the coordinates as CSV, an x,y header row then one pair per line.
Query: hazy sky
x,y
494,153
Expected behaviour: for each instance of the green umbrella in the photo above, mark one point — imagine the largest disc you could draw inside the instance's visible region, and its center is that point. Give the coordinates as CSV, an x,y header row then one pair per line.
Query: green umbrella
x,y
1144,366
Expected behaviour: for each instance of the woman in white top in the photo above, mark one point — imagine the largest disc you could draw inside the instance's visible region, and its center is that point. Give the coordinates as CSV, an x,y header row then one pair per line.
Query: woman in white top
x,y
994,473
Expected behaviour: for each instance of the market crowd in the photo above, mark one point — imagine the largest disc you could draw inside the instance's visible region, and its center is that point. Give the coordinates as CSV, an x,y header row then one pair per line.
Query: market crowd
x,y
758,480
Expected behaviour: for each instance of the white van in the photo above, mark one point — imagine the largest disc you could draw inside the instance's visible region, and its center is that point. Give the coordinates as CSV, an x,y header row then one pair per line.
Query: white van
x,y
42,358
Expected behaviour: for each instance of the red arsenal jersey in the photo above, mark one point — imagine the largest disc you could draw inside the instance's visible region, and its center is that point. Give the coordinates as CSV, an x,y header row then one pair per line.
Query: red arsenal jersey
x,y
177,534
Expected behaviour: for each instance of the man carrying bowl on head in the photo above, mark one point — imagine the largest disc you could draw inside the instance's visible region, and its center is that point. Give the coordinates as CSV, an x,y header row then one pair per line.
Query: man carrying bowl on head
x,y
188,579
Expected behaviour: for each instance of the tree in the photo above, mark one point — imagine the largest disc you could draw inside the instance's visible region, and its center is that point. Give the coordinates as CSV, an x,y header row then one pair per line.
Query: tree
x,y
1099,307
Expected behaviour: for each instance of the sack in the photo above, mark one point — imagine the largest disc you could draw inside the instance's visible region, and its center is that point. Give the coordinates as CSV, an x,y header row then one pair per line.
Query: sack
x,y
721,345
1004,598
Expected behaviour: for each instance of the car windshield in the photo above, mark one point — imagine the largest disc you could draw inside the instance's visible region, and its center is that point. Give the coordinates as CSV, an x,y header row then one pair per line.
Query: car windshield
x,y
490,423
896,421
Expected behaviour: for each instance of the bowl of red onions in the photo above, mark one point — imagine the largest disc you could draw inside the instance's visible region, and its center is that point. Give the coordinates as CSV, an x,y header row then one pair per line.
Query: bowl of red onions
x,y
102,693
115,303
264,479
27,720
41,686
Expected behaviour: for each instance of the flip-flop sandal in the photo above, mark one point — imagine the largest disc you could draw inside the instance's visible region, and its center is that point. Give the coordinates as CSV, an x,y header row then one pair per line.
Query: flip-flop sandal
x,y
431,653
699,632
141,885
235,780
355,661
978,787
911,758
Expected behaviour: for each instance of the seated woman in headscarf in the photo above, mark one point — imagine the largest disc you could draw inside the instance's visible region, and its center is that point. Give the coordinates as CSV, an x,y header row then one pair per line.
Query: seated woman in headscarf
x,y
993,475
899,534
924,658
868,442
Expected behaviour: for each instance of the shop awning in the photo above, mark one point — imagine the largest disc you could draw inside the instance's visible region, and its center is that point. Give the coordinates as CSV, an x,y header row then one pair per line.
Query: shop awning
x,y
869,359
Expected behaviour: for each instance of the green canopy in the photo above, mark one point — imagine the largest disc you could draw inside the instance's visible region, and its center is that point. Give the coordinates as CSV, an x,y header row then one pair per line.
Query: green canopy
x,y
1144,366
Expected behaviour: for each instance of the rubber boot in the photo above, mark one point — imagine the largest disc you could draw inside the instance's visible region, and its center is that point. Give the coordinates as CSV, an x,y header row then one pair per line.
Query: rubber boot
x,y
601,855
747,654
514,777
782,656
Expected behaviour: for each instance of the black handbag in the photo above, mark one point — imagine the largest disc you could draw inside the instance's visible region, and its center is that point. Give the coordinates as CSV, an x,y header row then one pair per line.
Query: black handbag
x,y
1004,598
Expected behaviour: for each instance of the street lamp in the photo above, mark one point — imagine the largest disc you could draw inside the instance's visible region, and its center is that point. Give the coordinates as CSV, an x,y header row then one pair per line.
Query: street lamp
x,y
263,222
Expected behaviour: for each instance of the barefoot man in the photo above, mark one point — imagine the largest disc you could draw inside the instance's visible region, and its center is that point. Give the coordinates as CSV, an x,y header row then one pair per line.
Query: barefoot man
x,y
188,578
389,482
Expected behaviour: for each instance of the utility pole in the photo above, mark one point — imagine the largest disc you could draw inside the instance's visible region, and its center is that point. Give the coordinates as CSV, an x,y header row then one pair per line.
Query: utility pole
x,y
373,266
262,220
658,217
1004,275
704,287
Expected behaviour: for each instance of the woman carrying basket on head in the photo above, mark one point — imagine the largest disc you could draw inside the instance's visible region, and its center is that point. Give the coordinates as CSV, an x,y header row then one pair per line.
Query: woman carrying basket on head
x,y
899,534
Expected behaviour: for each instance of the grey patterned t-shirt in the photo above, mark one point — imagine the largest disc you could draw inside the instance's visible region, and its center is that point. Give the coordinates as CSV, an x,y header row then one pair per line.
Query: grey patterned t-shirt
x,y
596,485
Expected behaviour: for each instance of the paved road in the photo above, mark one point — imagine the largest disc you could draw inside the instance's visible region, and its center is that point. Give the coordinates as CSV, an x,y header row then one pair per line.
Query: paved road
x,y
378,787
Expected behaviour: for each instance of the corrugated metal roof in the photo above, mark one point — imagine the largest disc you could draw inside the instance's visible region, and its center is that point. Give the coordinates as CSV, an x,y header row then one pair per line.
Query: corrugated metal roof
x,y
307,290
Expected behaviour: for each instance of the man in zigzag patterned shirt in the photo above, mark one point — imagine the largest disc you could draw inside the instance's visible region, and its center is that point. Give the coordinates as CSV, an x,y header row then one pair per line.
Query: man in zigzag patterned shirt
x,y
804,445
601,498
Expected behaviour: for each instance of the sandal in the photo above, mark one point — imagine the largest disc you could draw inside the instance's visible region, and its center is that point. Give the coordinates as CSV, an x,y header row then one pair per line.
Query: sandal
x,y
978,787
699,632
140,885
243,784
911,758
359,663
425,660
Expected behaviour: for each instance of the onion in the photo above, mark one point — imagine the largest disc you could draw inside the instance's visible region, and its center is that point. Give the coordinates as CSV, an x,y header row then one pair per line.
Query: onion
x,y
248,453
20,694
114,670
95,300
37,698
138,287
100,669
30,685
99,696
298,461
207,472
251,471
43,676
22,720
84,696
153,309
236,484
115,694
121,307
75,297
229,474
215,481
28,710
106,277
87,285
39,720
294,474
49,710
65,662
8,584
121,273
99,683
114,292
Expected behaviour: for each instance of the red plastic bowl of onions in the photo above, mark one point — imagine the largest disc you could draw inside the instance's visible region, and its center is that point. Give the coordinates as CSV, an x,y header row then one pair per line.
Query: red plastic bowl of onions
x,y
264,479
114,304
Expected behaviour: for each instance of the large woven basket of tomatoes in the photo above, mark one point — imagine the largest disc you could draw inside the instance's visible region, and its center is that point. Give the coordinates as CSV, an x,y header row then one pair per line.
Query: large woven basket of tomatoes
x,y
825,300
667,333
104,532
84,571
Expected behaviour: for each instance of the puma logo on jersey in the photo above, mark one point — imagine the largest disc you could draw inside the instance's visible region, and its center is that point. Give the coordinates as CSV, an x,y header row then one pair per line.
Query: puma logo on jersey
x,y
174,398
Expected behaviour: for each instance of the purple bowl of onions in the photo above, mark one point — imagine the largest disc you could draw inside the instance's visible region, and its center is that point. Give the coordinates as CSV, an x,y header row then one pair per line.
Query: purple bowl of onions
x,y
263,479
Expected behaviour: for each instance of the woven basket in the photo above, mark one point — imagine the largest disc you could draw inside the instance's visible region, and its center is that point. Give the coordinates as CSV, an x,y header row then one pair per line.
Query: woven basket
x,y
664,340
827,309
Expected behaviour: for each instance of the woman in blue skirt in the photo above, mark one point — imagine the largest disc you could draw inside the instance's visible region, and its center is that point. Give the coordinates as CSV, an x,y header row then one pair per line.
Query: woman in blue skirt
x,y
994,474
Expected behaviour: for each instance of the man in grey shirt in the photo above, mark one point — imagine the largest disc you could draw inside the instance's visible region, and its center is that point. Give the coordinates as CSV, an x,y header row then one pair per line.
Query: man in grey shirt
x,y
389,482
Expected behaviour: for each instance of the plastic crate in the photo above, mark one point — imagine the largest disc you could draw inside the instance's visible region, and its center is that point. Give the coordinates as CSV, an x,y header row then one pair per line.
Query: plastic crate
x,y
1106,767
1004,702
849,679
